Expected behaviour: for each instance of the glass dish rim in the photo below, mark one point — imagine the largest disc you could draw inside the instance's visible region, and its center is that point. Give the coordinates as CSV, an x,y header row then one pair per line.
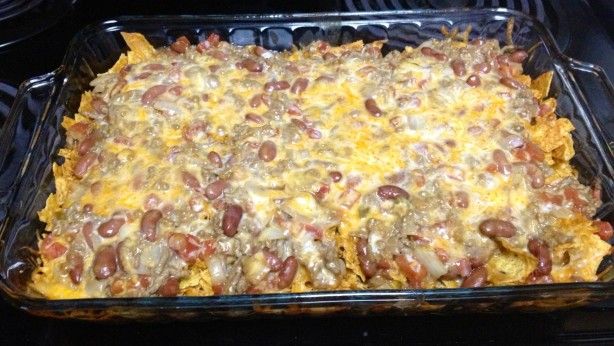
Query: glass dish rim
x,y
305,299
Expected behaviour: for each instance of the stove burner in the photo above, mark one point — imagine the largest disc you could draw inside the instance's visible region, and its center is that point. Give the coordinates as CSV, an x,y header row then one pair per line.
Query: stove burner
x,y
21,19
12,8
549,12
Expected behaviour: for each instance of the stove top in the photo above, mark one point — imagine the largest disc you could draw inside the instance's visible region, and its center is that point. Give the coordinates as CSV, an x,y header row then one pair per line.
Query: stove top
x,y
41,29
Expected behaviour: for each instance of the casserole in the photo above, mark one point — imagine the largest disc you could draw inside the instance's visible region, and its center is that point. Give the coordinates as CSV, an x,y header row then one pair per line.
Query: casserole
x,y
592,158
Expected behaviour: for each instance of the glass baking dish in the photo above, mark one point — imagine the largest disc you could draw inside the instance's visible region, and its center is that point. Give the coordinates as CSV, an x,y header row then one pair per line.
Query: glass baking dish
x,y
32,136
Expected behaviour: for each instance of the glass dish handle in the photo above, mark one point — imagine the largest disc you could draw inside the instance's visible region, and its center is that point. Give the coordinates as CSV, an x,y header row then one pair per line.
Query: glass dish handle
x,y
21,131
595,92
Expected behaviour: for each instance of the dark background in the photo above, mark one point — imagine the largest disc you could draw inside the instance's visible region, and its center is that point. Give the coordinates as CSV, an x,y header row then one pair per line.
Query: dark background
x,y
590,38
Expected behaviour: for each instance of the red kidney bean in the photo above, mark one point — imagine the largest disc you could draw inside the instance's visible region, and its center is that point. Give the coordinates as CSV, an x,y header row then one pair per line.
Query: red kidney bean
x,y
259,51
75,264
391,192
170,288
535,152
176,90
477,278
481,67
84,163
477,42
329,56
87,230
458,66
189,247
372,108
322,192
294,109
190,181
368,267
473,80
215,159
511,83
255,118
501,161
461,199
536,175
287,272
154,67
255,101
110,227
413,271
276,85
105,262
460,268
428,51
518,56
497,228
605,231
231,219
87,143
143,75
153,93
299,85
313,133
272,260
180,45
251,65
215,189
336,176
541,251
267,151
149,224
87,208
299,123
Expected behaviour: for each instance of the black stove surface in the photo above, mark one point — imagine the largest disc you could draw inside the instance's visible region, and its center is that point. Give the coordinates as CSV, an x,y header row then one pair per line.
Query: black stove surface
x,y
41,30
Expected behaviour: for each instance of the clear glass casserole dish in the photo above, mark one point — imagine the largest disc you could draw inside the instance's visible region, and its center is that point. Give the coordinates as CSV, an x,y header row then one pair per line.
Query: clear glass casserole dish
x,y
33,135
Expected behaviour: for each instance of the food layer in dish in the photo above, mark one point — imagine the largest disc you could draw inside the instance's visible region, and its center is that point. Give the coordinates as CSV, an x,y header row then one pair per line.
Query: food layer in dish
x,y
218,169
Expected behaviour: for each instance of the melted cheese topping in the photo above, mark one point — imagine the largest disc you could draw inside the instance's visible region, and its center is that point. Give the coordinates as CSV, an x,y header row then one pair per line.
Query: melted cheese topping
x,y
320,168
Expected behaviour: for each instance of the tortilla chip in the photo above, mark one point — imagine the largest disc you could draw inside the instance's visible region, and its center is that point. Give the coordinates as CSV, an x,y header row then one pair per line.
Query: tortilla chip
x,y
542,84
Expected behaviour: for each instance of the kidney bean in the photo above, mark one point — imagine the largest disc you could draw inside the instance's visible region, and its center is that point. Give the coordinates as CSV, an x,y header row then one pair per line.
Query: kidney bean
x,y
477,278
536,175
518,56
413,271
460,268
391,192
511,83
535,152
84,163
154,67
267,151
176,90
251,65
461,199
153,93
372,108
105,262
110,227
272,260
497,228
190,181
215,159
605,231
287,272
87,230
149,224
501,162
170,288
299,85
231,219
458,66
313,133
87,143
294,109
477,42
255,101
180,45
481,67
473,80
215,189
541,251
336,176
75,265
87,208
255,118
368,267
428,51
143,75
276,85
